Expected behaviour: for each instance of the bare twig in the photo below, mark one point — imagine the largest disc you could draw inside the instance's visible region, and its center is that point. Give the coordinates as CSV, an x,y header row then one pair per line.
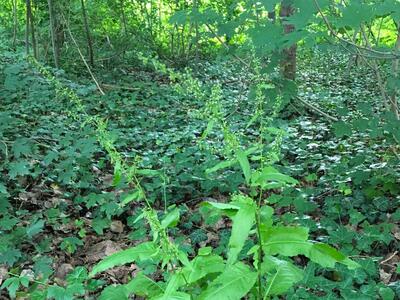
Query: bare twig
x,y
316,109
83,57
380,54
389,258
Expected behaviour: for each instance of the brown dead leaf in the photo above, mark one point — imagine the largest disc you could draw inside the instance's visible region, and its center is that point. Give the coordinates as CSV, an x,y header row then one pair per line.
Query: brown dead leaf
x,y
385,277
100,250
117,226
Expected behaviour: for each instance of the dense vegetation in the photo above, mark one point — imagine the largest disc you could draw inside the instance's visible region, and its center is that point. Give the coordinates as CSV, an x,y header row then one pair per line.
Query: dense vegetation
x,y
197,149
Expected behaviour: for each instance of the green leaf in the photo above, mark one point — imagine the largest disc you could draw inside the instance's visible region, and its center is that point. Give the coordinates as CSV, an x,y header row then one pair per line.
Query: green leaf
x,y
222,165
174,296
3,189
327,256
226,208
143,286
342,129
387,293
286,240
58,293
35,228
18,168
244,164
234,283
12,285
242,223
285,276
114,292
270,177
140,252
171,219
135,196
202,266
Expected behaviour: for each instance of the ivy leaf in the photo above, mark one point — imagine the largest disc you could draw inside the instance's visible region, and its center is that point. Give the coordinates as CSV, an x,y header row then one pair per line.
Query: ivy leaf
x,y
234,283
3,189
342,129
35,228
18,168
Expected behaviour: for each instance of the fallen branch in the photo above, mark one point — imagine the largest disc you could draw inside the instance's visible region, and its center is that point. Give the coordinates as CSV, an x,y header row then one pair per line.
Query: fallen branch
x,y
316,109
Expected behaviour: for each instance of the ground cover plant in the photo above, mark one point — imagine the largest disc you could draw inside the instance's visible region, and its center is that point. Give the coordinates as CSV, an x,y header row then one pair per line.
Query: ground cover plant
x,y
199,149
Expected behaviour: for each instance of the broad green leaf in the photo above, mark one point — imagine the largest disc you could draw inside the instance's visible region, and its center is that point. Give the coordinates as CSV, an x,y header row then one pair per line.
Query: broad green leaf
x,y
114,292
270,177
327,256
135,196
244,164
140,252
222,165
202,266
226,208
242,223
284,277
143,286
387,293
174,283
234,283
171,219
174,296
286,240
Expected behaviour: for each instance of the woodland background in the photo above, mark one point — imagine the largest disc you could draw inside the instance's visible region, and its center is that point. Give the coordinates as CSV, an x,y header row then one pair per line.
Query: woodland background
x,y
195,149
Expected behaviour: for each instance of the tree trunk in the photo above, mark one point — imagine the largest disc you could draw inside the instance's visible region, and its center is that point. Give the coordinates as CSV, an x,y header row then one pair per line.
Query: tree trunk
x,y
288,63
15,23
272,16
28,5
395,71
124,25
88,36
54,42
32,27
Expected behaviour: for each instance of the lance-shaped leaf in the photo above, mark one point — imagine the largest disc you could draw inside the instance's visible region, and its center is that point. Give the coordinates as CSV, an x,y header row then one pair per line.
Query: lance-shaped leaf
x,y
140,252
244,164
242,222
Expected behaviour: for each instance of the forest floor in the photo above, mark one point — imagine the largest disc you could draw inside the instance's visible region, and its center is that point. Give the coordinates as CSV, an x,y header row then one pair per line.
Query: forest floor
x,y
59,207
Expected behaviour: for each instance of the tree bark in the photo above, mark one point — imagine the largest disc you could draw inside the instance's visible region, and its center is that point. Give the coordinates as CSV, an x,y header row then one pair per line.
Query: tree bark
x,y
289,55
395,71
15,23
32,29
124,23
28,4
54,42
88,36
